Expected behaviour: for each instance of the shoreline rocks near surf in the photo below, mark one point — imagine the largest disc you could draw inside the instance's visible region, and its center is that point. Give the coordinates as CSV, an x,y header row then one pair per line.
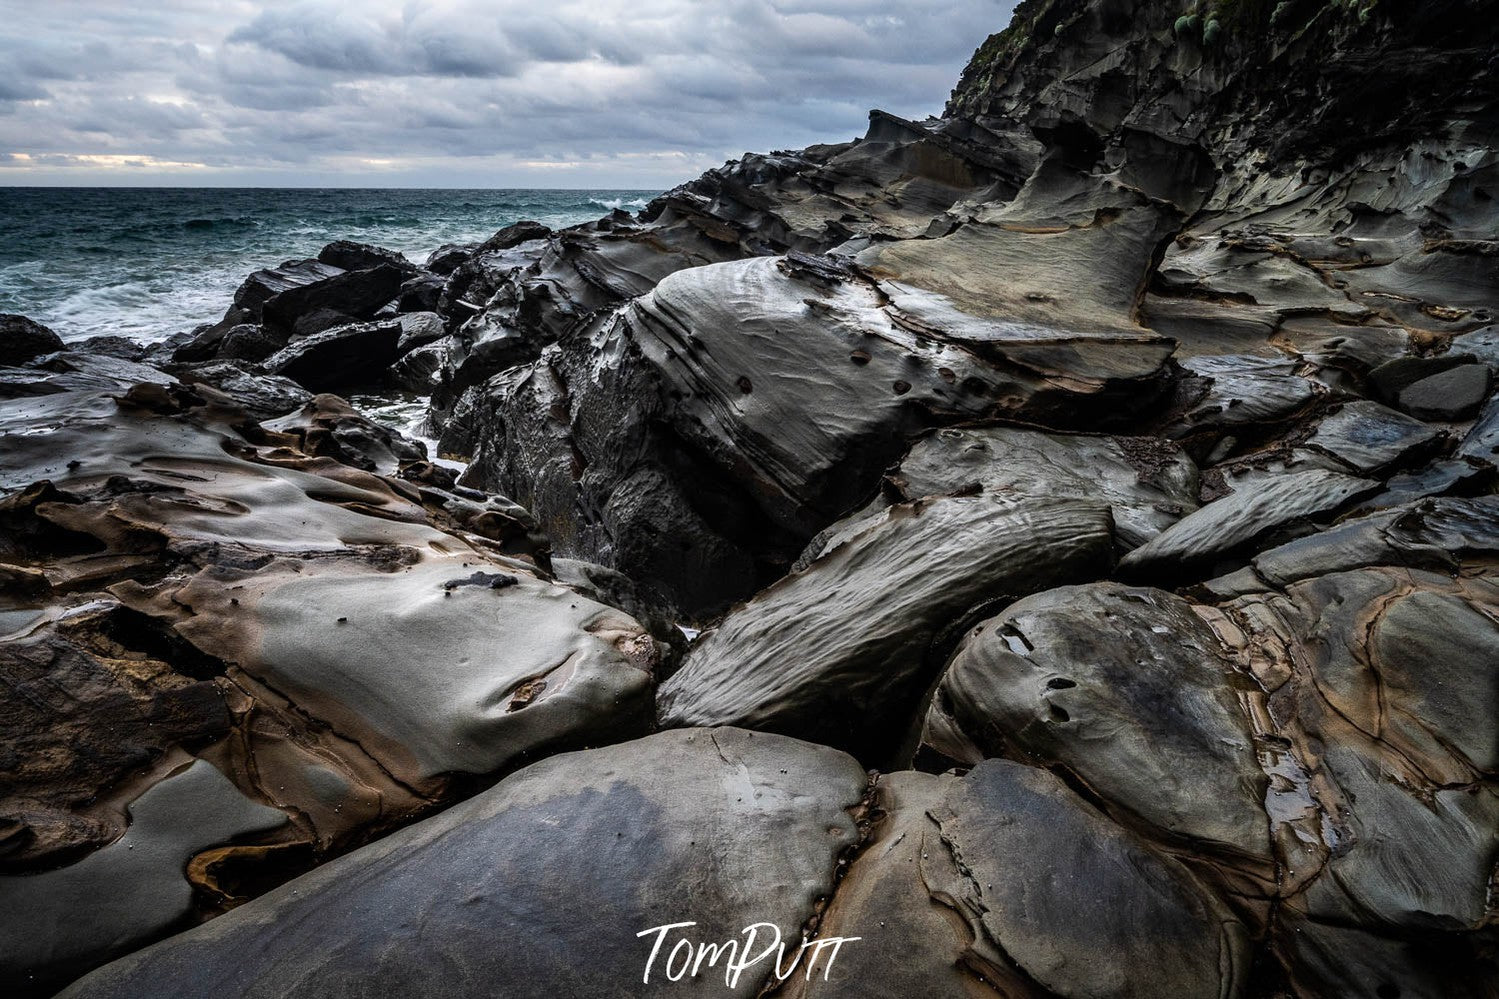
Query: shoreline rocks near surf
x,y
1088,500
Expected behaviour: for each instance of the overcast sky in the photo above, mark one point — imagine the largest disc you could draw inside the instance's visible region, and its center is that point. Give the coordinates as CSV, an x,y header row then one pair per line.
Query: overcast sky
x,y
456,93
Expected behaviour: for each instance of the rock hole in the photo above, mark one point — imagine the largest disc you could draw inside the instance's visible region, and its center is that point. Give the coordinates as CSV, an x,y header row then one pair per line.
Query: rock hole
x,y
1060,683
1388,991
901,387
1058,713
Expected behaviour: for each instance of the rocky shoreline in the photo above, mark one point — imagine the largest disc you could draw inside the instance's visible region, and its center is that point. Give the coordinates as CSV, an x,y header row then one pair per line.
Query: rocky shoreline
x,y
1088,501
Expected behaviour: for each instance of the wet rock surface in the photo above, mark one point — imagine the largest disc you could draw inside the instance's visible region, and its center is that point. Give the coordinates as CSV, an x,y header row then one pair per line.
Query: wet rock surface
x,y
1108,465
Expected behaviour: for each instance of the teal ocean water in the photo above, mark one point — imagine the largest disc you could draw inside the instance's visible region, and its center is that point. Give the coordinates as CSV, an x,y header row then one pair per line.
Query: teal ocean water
x,y
149,262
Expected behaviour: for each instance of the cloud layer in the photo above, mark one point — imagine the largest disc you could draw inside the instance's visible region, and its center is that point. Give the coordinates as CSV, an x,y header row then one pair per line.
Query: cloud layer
x,y
573,93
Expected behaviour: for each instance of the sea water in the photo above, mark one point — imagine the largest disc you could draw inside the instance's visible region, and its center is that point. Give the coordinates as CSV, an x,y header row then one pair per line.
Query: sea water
x,y
150,262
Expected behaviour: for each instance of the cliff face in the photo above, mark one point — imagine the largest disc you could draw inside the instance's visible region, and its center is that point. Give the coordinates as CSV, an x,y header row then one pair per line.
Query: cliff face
x,y
1284,79
1089,498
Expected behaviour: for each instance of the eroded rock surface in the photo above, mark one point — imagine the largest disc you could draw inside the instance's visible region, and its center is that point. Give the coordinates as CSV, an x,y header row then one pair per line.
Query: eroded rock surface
x,y
718,826
345,649
1113,458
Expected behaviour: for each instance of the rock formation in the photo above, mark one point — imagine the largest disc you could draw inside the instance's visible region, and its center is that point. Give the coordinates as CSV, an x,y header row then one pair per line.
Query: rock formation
x,y
1054,543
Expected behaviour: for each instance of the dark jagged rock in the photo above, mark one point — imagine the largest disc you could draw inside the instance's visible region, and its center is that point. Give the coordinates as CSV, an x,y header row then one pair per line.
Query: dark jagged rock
x,y
350,356
347,255
311,308
262,396
122,347
22,340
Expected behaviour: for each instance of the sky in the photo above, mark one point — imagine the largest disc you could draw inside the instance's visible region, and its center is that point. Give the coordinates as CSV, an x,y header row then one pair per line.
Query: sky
x,y
456,93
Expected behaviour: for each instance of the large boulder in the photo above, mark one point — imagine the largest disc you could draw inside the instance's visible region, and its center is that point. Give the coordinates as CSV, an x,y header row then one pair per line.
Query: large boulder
x,y
618,854
1007,881
842,651
355,355
348,296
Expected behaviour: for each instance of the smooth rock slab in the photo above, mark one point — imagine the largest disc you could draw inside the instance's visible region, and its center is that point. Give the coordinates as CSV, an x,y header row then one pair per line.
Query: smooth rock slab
x,y
1454,394
839,651
1006,882
123,895
1367,438
1258,508
1127,688
1149,484
539,886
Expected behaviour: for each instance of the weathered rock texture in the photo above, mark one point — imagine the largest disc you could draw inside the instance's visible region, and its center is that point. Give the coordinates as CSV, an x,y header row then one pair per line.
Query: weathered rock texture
x,y
340,650
1109,464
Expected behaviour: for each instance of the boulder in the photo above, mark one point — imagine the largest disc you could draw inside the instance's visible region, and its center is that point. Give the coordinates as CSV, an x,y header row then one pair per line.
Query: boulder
x,y
22,340
1454,394
262,396
758,819
1129,691
319,304
352,356
992,883
348,255
843,650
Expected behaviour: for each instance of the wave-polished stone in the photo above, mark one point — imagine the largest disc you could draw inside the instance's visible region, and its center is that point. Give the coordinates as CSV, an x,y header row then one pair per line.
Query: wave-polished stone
x,y
1005,881
539,886
841,650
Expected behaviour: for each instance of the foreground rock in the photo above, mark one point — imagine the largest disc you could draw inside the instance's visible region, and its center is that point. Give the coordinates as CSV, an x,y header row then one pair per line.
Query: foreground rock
x,y
342,648
990,881
721,827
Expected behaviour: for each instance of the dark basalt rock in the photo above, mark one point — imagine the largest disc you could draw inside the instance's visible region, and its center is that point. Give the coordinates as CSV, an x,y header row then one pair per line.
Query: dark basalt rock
x,y
350,256
313,307
22,340
262,396
350,356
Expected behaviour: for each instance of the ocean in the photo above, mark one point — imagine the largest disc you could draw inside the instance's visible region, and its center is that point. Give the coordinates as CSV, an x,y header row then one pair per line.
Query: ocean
x,y
150,262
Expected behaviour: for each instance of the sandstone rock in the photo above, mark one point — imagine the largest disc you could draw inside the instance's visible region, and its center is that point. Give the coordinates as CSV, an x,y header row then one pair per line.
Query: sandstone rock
x,y
1454,394
1149,484
1260,507
759,818
1366,438
337,643
128,893
843,650
992,882
1129,691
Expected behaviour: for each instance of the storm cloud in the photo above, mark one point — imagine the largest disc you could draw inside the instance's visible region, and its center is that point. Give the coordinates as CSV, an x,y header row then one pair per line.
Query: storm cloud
x,y
630,93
